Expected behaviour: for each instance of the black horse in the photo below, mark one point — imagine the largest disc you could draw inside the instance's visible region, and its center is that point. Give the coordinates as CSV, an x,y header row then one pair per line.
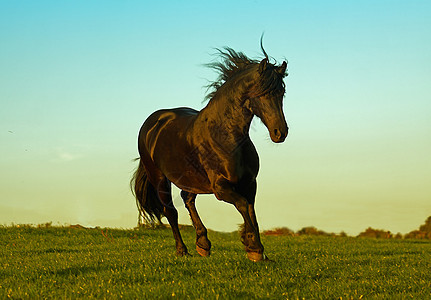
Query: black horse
x,y
210,151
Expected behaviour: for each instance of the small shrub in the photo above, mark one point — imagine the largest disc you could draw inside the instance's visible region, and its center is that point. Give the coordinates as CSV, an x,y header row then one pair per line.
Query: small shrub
x,y
281,231
376,233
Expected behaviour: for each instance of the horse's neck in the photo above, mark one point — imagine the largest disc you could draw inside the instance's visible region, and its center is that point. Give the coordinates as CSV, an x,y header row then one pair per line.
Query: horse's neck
x,y
228,116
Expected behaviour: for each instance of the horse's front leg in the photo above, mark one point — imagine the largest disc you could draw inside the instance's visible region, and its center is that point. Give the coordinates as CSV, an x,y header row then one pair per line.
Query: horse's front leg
x,y
250,194
224,190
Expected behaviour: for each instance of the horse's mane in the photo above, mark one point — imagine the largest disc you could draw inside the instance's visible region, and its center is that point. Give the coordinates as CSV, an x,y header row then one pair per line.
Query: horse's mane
x,y
231,63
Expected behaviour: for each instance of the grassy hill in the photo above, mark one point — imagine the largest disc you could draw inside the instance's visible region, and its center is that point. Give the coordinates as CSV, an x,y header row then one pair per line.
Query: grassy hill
x,y
65,262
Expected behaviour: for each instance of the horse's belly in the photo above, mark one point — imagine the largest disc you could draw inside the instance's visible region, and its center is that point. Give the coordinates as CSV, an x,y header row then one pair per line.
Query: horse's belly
x,y
191,182
185,174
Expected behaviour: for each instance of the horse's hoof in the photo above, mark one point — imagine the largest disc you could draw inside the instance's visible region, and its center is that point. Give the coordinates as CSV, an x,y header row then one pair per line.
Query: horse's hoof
x,y
182,253
255,257
203,252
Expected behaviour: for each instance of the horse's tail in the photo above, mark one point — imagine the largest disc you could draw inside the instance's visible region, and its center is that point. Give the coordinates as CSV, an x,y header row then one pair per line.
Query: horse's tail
x,y
149,206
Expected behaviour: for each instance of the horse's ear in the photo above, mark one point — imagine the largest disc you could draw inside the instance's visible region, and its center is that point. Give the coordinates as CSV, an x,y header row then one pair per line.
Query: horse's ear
x,y
282,69
262,65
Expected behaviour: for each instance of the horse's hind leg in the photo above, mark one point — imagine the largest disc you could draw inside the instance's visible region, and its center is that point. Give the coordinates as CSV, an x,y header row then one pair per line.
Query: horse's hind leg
x,y
169,210
203,245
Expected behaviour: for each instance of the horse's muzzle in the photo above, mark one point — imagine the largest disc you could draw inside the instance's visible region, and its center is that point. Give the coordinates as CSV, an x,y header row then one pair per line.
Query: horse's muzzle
x,y
279,135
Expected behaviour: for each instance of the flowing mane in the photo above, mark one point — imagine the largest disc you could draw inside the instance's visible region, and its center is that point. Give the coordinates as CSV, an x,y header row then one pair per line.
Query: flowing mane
x,y
233,63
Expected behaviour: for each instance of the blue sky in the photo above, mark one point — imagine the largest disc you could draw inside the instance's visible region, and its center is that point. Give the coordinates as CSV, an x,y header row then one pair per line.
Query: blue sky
x,y
77,79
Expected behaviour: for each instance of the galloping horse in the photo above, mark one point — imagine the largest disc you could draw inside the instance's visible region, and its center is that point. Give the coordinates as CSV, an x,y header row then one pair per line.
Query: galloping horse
x,y
210,151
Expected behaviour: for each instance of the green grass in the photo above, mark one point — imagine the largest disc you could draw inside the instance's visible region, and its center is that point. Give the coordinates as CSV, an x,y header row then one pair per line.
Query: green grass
x,y
59,262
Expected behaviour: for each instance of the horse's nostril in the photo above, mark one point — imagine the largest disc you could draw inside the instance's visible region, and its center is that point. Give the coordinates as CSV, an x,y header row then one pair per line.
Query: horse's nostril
x,y
277,132
278,135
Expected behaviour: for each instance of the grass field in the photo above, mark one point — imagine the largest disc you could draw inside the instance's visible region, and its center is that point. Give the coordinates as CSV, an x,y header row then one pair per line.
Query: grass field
x,y
63,262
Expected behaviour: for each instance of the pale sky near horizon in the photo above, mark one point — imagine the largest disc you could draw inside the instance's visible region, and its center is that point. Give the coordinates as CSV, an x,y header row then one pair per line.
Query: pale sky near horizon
x,y
77,80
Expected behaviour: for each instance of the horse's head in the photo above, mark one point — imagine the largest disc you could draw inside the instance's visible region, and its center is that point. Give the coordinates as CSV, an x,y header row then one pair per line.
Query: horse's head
x,y
265,98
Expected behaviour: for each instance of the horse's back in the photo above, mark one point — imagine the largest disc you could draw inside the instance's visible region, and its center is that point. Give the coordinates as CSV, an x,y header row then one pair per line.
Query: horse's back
x,y
165,115
165,128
